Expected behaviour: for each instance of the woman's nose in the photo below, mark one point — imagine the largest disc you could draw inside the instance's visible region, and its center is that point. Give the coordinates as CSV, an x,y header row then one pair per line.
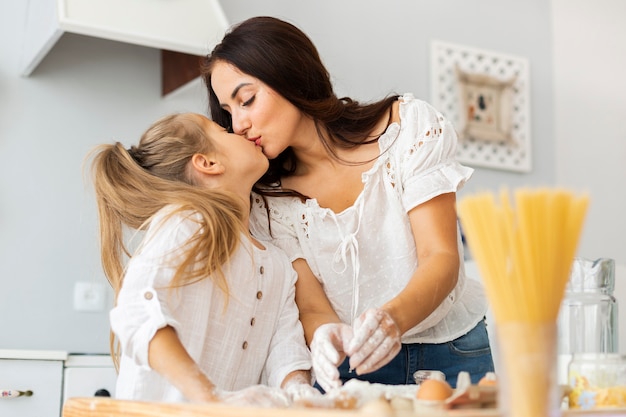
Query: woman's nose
x,y
240,124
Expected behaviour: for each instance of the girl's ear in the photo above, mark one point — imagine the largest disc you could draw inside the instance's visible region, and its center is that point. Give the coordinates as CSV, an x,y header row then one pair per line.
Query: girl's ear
x,y
207,164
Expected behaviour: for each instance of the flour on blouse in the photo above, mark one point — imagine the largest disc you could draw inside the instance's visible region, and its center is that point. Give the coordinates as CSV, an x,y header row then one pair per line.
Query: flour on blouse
x,y
365,255
255,338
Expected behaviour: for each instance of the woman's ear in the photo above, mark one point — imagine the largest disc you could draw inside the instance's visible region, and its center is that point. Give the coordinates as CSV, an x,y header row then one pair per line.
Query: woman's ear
x,y
207,164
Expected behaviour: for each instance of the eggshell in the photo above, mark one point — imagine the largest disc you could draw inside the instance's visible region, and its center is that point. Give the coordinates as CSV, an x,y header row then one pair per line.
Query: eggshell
x,y
489,380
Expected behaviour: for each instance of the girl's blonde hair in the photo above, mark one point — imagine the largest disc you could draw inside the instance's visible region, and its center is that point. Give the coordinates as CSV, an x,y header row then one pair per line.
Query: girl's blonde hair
x,y
131,185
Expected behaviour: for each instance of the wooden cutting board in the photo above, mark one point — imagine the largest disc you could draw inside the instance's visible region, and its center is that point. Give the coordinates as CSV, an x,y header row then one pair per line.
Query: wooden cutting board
x,y
107,407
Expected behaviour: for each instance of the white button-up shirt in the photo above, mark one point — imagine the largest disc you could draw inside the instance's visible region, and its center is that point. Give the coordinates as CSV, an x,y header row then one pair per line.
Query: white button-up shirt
x,y
253,337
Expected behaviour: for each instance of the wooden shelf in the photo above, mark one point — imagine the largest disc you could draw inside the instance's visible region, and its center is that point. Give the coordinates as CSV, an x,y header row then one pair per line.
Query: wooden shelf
x,y
177,69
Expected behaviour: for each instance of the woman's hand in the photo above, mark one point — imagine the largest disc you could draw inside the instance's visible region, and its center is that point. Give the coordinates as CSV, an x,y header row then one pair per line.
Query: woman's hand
x,y
328,350
375,343
377,332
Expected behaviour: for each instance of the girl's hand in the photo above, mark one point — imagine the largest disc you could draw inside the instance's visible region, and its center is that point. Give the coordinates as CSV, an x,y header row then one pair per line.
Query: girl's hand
x,y
305,391
375,343
328,350
256,395
297,385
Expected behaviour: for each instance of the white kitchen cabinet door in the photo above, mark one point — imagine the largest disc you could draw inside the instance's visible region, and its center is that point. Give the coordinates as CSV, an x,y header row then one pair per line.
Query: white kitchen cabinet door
x,y
42,377
88,376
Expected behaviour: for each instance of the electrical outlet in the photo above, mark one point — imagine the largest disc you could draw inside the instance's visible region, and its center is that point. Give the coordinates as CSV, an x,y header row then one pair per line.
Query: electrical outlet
x,y
89,296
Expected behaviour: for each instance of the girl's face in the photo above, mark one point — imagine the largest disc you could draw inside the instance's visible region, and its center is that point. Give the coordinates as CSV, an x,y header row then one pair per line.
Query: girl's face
x,y
242,158
258,112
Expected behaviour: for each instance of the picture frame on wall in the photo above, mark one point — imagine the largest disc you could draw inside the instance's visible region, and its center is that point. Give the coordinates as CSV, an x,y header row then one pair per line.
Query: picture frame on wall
x,y
486,96
486,106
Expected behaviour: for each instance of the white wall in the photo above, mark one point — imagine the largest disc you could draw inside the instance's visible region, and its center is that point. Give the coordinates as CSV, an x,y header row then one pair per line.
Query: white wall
x,y
373,47
89,91
590,129
590,116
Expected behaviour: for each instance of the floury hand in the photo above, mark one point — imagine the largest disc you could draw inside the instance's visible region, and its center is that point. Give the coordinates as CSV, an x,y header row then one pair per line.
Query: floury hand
x,y
375,343
328,350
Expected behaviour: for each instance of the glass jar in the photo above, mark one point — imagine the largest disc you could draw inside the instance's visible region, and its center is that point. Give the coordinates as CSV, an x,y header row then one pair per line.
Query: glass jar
x,y
597,380
587,320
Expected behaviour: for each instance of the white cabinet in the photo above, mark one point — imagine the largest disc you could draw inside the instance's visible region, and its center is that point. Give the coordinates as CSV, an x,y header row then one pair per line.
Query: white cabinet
x,y
51,377
38,372
187,26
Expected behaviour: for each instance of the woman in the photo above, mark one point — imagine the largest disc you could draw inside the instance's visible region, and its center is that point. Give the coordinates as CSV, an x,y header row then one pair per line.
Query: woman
x,y
362,198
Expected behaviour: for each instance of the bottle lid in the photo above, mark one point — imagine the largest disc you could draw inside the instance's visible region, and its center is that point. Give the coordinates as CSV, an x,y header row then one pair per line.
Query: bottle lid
x,y
592,275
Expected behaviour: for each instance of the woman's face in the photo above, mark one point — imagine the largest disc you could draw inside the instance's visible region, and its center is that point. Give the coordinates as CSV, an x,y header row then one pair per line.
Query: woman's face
x,y
258,112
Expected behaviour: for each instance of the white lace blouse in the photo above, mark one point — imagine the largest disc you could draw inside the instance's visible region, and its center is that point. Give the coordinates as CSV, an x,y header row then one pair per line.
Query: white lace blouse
x,y
255,338
365,255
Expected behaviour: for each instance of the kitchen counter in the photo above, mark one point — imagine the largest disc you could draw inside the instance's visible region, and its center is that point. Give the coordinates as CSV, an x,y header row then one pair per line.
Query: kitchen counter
x,y
42,355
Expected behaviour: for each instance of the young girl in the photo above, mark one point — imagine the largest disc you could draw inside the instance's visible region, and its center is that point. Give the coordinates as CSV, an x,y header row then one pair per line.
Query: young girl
x,y
203,311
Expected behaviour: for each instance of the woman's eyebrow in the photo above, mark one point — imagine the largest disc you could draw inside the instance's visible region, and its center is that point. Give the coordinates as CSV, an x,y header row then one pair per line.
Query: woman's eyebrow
x,y
236,90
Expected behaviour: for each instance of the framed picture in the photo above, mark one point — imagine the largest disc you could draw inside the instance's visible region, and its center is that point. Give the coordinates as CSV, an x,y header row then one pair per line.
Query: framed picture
x,y
485,94
486,106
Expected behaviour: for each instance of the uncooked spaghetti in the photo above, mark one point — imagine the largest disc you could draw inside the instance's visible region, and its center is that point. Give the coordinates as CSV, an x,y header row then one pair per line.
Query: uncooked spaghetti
x,y
524,252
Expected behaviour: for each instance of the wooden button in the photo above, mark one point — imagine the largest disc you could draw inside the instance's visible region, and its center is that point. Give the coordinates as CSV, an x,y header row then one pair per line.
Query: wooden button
x,y
259,295
261,270
252,321
245,345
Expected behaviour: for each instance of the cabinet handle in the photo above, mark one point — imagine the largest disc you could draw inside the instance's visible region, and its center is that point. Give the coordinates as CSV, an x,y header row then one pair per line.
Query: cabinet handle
x,y
13,393
102,393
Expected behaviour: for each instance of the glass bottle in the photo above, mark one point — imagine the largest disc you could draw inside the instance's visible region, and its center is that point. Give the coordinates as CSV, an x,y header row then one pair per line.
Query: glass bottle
x,y
587,320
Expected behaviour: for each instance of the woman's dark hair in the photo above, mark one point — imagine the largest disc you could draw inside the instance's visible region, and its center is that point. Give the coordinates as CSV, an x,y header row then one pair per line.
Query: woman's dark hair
x,y
284,58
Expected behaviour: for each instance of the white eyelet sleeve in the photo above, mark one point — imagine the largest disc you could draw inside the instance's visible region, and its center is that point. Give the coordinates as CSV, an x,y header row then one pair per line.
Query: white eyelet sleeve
x,y
278,225
428,167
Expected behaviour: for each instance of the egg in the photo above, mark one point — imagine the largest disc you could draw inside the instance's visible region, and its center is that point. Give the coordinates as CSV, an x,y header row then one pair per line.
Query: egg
x,y
433,390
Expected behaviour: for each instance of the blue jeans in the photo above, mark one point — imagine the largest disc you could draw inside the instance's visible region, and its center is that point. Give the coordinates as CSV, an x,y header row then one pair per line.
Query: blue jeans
x,y
470,352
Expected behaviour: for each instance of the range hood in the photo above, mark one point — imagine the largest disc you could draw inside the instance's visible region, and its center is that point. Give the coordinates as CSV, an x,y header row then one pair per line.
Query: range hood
x,y
183,27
